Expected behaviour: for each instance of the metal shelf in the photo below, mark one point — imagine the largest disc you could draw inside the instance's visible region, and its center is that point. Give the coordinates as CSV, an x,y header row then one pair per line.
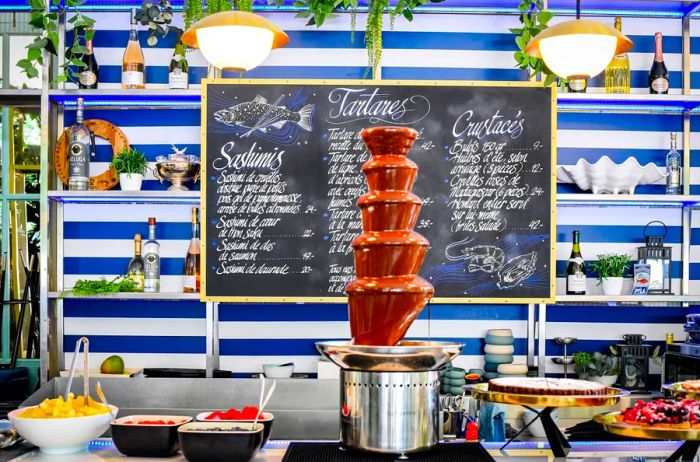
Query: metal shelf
x,y
631,200
125,197
630,103
629,299
20,98
129,296
157,98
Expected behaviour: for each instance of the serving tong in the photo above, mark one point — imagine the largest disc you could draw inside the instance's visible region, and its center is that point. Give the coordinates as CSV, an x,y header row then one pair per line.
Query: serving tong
x,y
86,370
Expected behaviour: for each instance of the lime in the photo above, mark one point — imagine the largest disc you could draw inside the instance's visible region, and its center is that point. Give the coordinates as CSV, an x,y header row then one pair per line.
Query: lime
x,y
112,365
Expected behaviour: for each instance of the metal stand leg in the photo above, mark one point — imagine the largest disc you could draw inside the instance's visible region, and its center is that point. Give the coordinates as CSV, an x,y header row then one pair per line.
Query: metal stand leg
x,y
686,452
557,441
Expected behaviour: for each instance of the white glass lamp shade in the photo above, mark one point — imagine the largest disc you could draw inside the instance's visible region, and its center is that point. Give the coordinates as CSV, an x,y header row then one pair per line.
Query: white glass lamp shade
x,y
234,40
579,55
235,47
579,48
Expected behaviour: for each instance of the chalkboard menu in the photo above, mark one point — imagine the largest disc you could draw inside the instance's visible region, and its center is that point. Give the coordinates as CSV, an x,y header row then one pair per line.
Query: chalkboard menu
x,y
281,169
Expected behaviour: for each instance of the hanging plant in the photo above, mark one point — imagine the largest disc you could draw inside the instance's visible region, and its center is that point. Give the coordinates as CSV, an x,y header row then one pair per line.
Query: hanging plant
x,y
317,11
46,22
534,19
157,16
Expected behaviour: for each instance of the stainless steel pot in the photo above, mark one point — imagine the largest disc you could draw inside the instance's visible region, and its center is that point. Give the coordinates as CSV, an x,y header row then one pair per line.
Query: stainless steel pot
x,y
389,412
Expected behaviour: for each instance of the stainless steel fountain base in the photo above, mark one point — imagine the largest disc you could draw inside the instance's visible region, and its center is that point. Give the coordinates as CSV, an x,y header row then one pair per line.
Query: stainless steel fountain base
x,y
389,412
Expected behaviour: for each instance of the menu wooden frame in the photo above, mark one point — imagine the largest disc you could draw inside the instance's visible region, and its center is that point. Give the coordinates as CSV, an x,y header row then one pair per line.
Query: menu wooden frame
x,y
427,83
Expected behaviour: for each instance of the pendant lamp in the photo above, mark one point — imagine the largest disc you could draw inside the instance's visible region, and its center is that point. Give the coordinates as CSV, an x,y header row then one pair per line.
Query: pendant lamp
x,y
234,40
578,49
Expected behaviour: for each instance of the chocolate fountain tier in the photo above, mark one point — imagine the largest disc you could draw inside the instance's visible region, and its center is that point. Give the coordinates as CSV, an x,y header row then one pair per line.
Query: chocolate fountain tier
x,y
389,253
390,173
381,309
389,210
395,141
407,356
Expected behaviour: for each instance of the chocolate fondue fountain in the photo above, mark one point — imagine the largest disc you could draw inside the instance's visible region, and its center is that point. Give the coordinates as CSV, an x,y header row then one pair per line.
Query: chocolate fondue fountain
x,y
389,388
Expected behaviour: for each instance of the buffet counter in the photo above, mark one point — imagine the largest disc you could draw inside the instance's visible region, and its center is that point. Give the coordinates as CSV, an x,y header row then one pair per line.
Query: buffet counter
x,y
103,451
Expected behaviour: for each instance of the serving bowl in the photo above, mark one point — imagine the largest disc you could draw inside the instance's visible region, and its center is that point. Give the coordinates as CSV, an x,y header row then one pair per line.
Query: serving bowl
x,y
278,371
606,177
61,435
267,419
211,441
134,438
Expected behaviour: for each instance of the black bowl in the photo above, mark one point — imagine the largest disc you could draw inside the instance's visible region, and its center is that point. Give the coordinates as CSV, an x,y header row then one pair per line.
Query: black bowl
x,y
147,440
266,419
224,441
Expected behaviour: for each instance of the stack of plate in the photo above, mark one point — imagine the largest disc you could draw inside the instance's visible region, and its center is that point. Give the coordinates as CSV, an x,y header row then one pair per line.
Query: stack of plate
x,y
498,351
452,381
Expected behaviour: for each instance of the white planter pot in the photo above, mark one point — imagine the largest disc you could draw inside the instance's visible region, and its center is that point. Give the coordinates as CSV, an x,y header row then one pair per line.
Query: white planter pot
x,y
612,286
607,380
130,181
536,429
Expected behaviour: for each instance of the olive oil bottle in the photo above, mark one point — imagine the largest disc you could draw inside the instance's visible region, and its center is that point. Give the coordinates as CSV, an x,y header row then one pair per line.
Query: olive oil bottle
x,y
617,74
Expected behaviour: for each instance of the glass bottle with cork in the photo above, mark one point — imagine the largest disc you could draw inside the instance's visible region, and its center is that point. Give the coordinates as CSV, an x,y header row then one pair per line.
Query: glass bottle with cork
x,y
617,74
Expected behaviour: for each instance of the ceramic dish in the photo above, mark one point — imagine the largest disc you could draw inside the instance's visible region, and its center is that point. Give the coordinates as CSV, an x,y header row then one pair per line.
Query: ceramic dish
x,y
607,177
135,436
266,419
224,441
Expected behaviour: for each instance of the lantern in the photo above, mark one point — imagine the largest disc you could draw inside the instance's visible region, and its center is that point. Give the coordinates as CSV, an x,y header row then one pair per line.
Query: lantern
x,y
659,259
633,359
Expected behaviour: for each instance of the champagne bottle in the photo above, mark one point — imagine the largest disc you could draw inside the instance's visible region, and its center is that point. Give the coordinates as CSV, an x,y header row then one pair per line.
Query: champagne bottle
x,y
658,75
191,281
178,78
136,267
576,269
89,75
133,64
617,74
577,85
673,168
151,250
81,145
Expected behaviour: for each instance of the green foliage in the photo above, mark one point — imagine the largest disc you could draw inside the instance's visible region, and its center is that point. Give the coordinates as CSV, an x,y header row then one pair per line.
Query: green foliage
x,y
317,11
588,365
47,39
611,265
534,19
193,12
130,161
157,16
85,288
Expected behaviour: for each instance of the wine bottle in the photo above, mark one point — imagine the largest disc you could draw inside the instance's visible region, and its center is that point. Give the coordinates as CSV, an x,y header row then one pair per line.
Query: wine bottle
x,y
577,85
89,75
135,270
191,281
658,75
133,64
673,168
81,145
576,269
151,250
617,74
178,77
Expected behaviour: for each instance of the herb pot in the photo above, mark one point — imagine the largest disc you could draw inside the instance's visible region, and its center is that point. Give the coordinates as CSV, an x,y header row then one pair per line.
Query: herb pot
x,y
612,286
607,380
389,253
130,181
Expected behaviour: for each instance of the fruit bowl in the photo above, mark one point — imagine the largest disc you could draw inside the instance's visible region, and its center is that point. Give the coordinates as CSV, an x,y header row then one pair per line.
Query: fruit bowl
x,y
225,441
266,419
147,435
61,435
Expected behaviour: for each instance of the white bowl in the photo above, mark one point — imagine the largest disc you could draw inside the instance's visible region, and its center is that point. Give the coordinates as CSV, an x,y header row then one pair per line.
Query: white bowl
x,y
273,371
61,436
606,177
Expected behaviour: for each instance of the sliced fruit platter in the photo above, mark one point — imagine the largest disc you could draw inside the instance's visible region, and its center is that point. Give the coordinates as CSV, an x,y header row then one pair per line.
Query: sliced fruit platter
x,y
686,389
658,419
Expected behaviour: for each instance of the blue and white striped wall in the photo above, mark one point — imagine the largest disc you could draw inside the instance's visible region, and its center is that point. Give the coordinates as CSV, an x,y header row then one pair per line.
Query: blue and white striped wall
x,y
437,46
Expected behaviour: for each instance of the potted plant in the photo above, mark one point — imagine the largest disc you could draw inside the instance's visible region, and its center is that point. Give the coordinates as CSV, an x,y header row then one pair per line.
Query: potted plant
x,y
131,166
611,269
596,367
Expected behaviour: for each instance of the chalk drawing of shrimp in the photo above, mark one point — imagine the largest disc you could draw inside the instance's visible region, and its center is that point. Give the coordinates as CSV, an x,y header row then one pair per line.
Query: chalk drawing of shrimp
x,y
484,258
517,270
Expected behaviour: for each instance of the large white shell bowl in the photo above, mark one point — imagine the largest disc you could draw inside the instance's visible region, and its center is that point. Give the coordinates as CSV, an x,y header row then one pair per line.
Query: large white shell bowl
x,y
61,436
607,177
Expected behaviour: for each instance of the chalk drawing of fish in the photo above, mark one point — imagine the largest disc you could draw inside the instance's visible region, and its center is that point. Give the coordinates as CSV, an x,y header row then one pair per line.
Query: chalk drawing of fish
x,y
260,115
517,270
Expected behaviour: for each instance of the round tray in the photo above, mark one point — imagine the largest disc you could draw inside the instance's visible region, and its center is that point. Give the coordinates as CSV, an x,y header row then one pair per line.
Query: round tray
x,y
677,392
652,433
611,398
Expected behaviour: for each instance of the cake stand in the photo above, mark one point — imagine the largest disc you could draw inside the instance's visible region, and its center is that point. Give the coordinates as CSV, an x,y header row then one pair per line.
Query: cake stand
x,y
690,436
557,441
